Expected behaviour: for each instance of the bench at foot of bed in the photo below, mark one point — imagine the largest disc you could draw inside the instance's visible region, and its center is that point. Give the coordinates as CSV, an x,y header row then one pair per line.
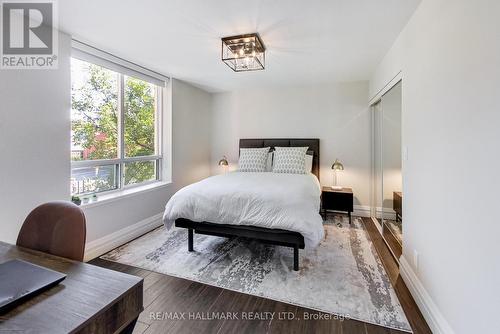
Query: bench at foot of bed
x,y
265,235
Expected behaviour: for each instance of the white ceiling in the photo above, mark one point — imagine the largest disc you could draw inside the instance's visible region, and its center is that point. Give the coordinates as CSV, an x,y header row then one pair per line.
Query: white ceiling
x,y
307,41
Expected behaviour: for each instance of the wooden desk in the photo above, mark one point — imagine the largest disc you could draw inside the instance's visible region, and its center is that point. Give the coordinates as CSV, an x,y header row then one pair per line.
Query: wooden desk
x,y
90,300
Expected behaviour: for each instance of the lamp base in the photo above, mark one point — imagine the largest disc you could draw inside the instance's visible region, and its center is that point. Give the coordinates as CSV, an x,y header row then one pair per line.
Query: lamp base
x,y
337,187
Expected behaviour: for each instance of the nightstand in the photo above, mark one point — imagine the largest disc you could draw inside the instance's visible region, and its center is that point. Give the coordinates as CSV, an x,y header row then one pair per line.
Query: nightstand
x,y
337,200
397,204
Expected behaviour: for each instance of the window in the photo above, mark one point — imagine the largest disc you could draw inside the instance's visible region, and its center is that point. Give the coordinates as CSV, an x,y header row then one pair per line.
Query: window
x,y
115,129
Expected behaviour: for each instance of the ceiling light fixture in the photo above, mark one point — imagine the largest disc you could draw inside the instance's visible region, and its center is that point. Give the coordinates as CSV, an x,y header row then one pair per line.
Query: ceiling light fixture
x,y
244,52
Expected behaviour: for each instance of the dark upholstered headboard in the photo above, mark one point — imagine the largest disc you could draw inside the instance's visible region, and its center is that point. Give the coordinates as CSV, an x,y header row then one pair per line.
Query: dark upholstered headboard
x,y
313,145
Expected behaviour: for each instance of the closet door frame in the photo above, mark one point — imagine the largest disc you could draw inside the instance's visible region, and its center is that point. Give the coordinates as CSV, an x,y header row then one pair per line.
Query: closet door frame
x,y
372,104
375,209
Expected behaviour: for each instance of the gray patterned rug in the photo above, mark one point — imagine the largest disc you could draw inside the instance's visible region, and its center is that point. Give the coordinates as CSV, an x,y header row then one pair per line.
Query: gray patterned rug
x,y
396,228
343,276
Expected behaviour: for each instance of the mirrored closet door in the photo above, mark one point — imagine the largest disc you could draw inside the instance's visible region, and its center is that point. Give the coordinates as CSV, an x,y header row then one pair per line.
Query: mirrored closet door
x,y
387,192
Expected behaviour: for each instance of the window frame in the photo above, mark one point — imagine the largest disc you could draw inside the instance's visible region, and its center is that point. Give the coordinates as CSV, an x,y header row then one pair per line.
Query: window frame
x,y
120,162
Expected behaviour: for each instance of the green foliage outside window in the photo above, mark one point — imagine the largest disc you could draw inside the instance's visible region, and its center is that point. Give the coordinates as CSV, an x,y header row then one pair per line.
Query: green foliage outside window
x,y
95,120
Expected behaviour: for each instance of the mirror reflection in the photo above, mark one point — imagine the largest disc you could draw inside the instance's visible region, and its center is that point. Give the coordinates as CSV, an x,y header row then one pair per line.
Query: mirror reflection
x,y
387,188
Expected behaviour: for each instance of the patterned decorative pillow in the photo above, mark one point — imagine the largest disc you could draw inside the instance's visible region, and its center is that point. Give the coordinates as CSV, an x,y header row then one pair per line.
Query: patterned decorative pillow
x,y
253,159
291,160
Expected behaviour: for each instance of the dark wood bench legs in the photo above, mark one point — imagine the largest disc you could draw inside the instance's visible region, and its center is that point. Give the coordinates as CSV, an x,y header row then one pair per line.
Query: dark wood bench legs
x,y
190,239
288,243
296,258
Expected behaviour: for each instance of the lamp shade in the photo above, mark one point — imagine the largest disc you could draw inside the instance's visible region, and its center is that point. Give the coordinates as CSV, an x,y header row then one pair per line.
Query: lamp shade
x,y
223,161
337,165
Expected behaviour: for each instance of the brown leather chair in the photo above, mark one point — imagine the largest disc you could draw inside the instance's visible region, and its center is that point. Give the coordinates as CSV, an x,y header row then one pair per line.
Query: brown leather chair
x,y
57,228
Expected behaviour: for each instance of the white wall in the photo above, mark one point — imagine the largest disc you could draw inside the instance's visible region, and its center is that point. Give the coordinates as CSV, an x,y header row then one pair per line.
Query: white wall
x,y
34,144
449,56
191,134
35,149
337,114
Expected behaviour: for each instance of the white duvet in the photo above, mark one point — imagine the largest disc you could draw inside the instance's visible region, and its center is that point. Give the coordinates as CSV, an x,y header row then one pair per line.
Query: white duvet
x,y
270,200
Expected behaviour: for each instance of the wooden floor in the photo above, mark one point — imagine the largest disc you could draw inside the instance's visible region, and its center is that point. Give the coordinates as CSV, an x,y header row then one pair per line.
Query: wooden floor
x,y
167,298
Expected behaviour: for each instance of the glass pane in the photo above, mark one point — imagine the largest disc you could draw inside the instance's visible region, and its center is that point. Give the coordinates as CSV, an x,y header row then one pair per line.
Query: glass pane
x,y
139,114
94,112
391,161
93,179
139,171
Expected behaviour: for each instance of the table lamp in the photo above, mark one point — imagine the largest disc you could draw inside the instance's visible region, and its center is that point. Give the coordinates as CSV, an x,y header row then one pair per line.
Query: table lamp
x,y
223,162
337,165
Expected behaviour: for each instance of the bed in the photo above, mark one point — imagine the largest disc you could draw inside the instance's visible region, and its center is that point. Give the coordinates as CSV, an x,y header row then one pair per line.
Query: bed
x,y
279,209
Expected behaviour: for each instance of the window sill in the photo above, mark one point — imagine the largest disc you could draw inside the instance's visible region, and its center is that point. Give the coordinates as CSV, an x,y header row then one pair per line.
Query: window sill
x,y
123,193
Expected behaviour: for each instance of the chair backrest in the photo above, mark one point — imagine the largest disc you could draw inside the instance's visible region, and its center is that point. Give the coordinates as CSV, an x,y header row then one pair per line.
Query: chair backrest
x,y
57,228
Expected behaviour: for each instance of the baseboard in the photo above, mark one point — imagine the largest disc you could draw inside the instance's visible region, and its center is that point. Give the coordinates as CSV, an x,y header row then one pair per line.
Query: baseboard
x,y
361,210
386,213
103,245
429,309
365,211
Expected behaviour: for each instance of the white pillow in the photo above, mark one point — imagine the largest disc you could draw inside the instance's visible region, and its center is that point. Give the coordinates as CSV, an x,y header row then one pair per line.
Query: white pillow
x,y
309,163
291,160
253,159
269,163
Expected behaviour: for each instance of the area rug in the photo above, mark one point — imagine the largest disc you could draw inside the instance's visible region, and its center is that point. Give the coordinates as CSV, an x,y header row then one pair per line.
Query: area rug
x,y
342,276
396,228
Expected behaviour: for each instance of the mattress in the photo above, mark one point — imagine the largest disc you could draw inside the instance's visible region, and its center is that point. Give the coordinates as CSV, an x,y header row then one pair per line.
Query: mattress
x,y
269,200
